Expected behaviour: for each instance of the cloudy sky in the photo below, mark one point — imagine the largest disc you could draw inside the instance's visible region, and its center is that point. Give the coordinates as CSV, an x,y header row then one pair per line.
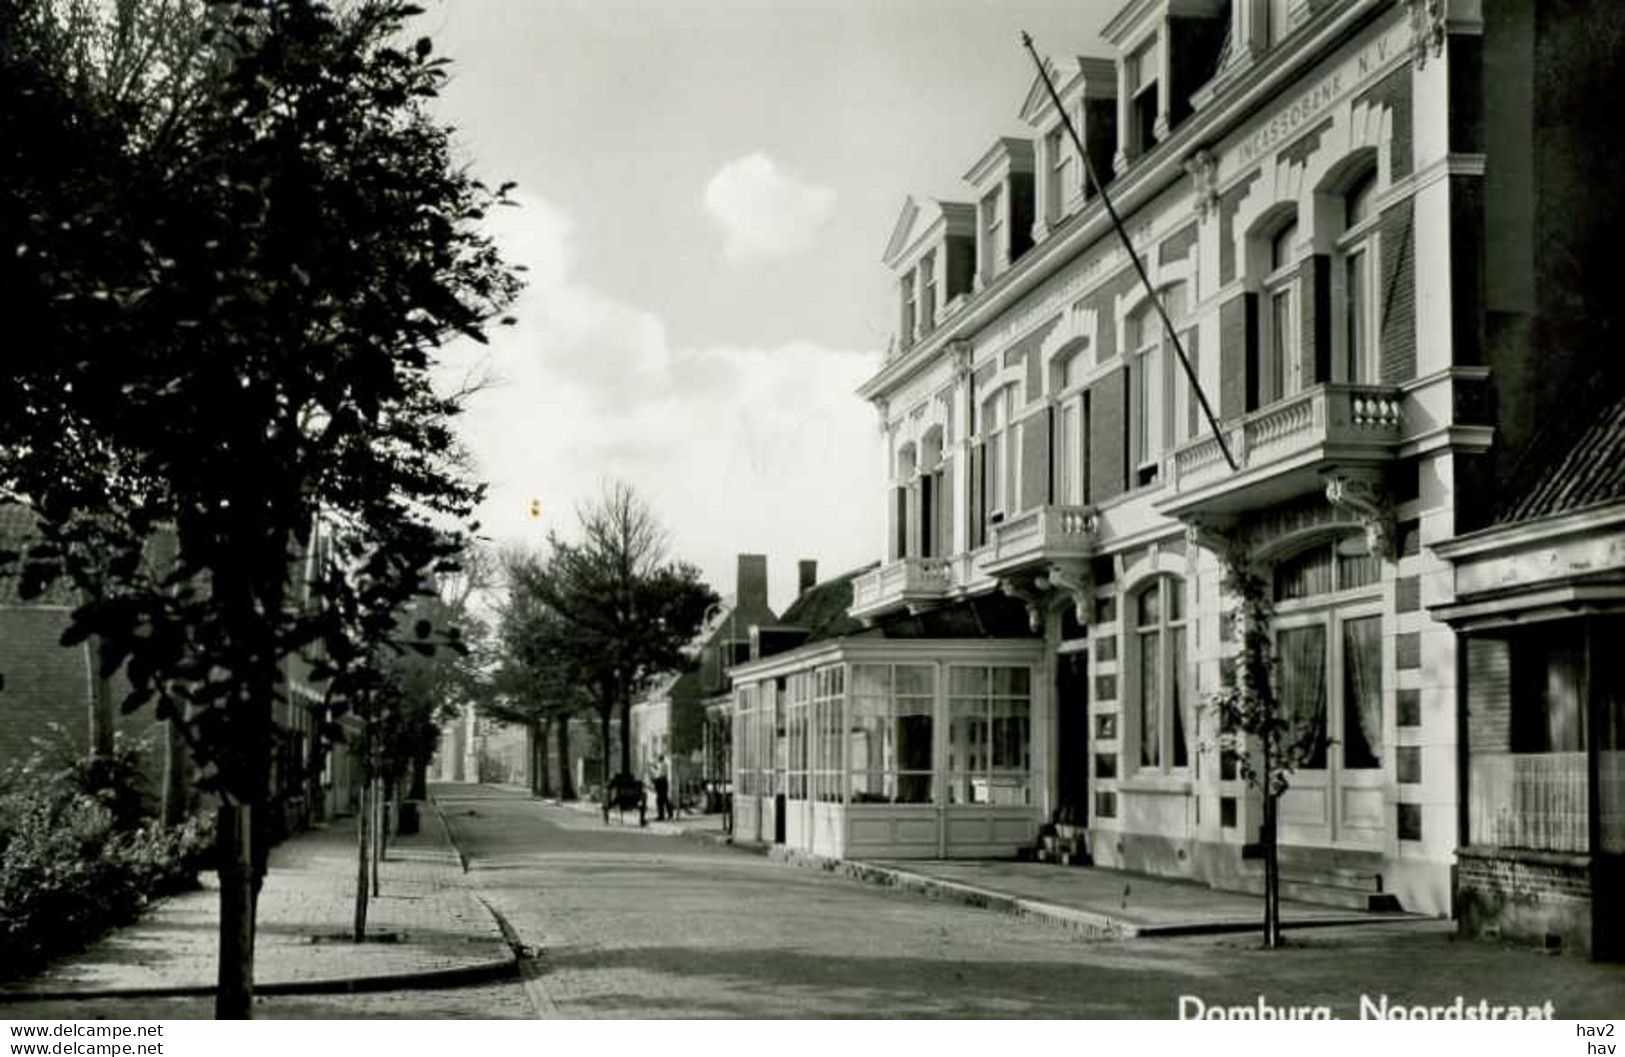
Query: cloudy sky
x,y
706,189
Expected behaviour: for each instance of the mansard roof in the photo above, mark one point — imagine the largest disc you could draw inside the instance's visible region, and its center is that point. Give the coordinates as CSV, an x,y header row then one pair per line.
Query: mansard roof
x,y
1576,461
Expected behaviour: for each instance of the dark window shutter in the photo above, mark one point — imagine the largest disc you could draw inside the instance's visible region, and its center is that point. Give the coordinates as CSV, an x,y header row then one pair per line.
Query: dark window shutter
x,y
900,520
978,485
1397,305
1315,311
1035,460
1238,356
928,516
1108,436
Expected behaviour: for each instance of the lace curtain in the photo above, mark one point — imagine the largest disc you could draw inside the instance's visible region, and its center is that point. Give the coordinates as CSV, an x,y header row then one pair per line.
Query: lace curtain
x,y
1362,692
1303,686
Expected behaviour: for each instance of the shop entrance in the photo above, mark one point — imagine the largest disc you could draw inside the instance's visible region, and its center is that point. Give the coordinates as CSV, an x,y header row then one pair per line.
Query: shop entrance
x,y
1072,736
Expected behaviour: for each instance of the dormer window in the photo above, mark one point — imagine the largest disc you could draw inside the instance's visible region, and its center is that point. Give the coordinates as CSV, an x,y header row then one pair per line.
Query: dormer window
x,y
928,293
910,314
1278,21
1144,106
992,233
932,253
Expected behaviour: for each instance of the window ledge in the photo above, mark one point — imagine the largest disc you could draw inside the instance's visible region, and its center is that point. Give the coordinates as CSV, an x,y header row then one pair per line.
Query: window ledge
x,y
1166,784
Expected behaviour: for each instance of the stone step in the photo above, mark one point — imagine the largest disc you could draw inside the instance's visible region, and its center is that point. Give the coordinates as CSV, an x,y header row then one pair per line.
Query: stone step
x,y
1331,895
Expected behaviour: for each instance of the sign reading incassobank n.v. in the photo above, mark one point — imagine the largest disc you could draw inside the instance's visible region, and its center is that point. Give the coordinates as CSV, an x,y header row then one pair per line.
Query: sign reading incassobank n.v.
x,y
1370,59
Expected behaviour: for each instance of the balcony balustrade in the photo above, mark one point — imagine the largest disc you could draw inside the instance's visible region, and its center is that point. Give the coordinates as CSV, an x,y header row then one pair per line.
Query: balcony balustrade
x,y
1281,449
1040,535
908,583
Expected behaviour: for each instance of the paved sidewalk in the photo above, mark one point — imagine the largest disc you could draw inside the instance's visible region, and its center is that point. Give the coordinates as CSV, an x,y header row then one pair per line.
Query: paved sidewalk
x,y
1102,901
426,928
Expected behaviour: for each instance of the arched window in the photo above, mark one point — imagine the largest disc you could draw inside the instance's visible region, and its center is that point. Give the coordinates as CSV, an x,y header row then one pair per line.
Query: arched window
x,y
1283,364
1328,646
1157,651
1359,280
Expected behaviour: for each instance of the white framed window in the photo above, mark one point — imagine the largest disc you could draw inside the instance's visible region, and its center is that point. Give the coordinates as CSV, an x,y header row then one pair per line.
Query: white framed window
x,y
928,293
993,251
890,733
828,723
1069,453
1142,69
989,735
1154,370
1000,452
1283,361
1359,281
1328,645
909,321
1060,167
1156,630
1279,18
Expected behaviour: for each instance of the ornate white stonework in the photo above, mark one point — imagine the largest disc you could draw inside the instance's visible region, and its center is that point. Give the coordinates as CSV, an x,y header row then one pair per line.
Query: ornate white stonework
x,y
1028,591
1428,21
1204,173
1366,498
1077,579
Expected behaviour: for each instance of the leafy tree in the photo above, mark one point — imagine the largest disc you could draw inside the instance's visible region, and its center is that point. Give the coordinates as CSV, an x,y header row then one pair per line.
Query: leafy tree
x,y
1267,745
225,304
624,609
532,681
436,683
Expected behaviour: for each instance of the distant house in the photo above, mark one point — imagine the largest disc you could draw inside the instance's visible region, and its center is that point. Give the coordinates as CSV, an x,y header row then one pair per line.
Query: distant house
x,y
48,684
1540,610
675,716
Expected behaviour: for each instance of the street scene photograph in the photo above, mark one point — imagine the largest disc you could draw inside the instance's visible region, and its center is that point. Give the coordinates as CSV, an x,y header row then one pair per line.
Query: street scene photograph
x,y
828,510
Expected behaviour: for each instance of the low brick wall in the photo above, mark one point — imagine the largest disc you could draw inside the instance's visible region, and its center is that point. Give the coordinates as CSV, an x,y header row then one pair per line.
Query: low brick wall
x,y
1540,897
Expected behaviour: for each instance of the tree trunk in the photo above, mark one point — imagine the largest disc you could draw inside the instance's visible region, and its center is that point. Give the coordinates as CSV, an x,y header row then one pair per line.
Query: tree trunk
x,y
177,784
386,823
603,741
363,822
234,984
420,779
101,702
626,735
539,771
567,783
377,826
1272,860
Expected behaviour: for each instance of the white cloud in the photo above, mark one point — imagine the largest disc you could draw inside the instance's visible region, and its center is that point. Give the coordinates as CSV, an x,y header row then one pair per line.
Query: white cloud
x,y
737,448
763,210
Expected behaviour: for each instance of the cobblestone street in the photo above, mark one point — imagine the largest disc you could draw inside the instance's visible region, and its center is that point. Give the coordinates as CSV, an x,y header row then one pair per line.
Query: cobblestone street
x,y
631,924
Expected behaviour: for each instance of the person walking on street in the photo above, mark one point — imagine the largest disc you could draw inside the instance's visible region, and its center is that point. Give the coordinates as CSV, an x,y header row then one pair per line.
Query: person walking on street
x,y
662,789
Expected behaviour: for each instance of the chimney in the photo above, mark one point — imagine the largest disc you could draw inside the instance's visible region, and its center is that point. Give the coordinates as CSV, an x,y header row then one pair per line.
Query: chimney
x,y
750,588
807,570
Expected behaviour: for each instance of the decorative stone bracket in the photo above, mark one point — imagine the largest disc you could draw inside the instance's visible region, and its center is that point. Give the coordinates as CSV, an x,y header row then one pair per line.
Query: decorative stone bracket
x,y
1039,590
1204,173
1367,499
1077,579
1027,589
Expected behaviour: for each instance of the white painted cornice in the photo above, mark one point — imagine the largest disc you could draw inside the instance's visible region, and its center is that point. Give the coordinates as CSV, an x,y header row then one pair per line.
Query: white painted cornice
x,y
1257,88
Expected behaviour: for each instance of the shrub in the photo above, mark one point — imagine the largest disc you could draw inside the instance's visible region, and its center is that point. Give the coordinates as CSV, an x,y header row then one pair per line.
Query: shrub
x,y
77,857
